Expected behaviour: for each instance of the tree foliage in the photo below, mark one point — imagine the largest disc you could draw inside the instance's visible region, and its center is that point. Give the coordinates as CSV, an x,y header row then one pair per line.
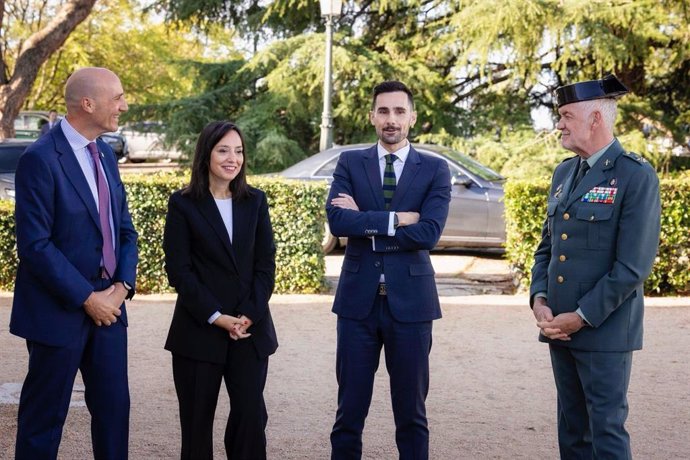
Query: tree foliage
x,y
146,56
477,67
30,32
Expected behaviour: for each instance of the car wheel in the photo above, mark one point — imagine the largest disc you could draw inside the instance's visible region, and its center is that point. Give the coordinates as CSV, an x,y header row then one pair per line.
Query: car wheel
x,y
138,160
329,242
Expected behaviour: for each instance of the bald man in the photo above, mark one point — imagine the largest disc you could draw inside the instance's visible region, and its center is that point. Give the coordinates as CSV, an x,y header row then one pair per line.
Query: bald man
x,y
77,263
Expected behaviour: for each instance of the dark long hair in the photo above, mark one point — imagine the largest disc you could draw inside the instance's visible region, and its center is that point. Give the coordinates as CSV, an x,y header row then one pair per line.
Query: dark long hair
x,y
208,138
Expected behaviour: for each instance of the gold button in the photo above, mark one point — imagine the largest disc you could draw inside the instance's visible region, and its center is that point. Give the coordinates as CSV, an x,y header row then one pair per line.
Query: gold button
x,y
564,236
561,258
560,279
566,216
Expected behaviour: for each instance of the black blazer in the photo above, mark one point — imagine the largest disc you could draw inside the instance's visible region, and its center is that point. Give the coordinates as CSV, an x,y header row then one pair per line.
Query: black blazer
x,y
212,274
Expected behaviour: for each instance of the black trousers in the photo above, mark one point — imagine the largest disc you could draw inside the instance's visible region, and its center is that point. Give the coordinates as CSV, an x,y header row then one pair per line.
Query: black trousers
x,y
197,384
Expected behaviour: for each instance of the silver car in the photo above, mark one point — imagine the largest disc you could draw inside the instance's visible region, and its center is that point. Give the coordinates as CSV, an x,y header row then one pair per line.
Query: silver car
x,y
145,142
475,219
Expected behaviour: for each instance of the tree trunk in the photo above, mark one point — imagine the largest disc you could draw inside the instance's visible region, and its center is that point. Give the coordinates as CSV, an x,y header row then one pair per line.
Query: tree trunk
x,y
36,50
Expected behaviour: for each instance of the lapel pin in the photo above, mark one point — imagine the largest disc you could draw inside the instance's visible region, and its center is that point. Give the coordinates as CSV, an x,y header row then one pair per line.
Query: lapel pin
x,y
607,162
613,182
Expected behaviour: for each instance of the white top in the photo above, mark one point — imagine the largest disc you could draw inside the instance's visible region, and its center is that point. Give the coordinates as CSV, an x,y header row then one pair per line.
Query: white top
x,y
225,209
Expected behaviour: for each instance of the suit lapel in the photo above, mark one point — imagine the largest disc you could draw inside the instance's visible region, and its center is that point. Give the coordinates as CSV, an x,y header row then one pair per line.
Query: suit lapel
x,y
373,170
410,170
564,184
74,174
597,174
208,208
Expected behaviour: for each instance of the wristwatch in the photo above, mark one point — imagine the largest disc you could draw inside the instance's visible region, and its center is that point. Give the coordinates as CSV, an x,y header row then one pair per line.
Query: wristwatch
x,y
396,222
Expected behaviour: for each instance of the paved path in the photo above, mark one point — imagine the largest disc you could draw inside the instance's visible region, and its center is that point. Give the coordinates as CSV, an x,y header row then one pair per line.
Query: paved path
x,y
492,394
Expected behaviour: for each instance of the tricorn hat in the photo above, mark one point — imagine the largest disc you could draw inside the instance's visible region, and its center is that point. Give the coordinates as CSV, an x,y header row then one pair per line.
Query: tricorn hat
x,y
607,87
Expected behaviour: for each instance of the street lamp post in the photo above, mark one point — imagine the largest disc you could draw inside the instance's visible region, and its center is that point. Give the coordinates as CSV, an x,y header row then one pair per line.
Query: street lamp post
x,y
330,9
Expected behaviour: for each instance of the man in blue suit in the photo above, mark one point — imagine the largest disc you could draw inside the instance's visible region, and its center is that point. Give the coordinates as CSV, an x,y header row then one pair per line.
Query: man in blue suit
x,y
392,203
77,261
598,246
50,124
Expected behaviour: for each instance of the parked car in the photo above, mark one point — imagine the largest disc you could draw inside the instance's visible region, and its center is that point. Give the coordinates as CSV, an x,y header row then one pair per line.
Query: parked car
x,y
10,150
28,124
118,142
475,218
146,142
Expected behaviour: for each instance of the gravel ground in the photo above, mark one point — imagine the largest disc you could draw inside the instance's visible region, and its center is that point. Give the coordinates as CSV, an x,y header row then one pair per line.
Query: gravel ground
x,y
492,394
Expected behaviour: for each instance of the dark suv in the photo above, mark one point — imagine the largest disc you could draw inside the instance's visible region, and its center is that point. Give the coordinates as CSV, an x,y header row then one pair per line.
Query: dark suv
x,y
10,150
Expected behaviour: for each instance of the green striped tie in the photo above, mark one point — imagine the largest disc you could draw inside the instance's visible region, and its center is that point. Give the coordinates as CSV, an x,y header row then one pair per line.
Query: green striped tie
x,y
389,180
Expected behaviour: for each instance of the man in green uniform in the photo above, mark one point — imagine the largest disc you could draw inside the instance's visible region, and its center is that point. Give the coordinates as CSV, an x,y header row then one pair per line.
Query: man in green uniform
x,y
598,245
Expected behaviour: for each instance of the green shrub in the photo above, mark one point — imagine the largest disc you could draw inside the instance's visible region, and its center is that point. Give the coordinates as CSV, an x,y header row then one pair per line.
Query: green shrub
x,y
8,246
525,208
297,214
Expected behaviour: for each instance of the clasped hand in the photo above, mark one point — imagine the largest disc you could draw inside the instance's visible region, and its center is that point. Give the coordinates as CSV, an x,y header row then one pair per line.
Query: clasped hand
x,y
236,327
559,327
104,306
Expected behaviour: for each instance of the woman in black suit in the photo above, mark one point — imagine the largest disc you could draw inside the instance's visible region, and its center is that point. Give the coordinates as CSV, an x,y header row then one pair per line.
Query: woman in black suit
x,y
220,258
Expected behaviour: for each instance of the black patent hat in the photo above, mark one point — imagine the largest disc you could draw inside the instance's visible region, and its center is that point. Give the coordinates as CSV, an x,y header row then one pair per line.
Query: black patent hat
x,y
607,87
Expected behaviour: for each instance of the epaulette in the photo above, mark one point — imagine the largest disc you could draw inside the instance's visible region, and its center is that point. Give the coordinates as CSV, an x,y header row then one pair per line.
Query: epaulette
x,y
634,156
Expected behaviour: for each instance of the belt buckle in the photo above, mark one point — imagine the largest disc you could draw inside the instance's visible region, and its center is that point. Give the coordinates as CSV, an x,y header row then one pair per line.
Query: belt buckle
x,y
382,289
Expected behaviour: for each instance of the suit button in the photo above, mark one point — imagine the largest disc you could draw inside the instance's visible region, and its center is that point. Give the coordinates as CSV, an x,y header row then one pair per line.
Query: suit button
x,y
566,216
561,258
377,264
564,236
560,279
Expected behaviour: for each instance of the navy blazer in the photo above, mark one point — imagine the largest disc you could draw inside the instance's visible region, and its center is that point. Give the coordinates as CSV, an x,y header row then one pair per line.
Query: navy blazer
x,y
211,274
595,254
423,187
59,240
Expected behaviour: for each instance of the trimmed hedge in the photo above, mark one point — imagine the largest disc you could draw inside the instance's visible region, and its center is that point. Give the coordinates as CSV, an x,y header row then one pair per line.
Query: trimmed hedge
x,y
8,246
297,214
525,208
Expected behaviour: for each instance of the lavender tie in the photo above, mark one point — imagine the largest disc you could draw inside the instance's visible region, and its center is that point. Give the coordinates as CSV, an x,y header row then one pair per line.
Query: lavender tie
x,y
109,261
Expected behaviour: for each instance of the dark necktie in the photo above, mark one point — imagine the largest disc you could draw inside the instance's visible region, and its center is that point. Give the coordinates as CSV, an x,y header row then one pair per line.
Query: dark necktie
x,y
584,166
109,260
389,180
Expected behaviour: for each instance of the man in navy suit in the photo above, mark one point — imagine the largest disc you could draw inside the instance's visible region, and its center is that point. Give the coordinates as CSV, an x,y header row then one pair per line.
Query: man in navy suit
x,y
598,246
77,262
392,204
50,124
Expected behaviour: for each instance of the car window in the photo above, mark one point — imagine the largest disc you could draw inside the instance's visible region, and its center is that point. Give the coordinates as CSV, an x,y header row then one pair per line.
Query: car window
x,y
146,127
328,168
471,165
29,122
9,157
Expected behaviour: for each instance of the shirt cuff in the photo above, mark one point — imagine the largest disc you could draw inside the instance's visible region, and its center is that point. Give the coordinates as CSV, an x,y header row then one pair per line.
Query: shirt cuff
x,y
540,294
582,315
213,317
391,224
